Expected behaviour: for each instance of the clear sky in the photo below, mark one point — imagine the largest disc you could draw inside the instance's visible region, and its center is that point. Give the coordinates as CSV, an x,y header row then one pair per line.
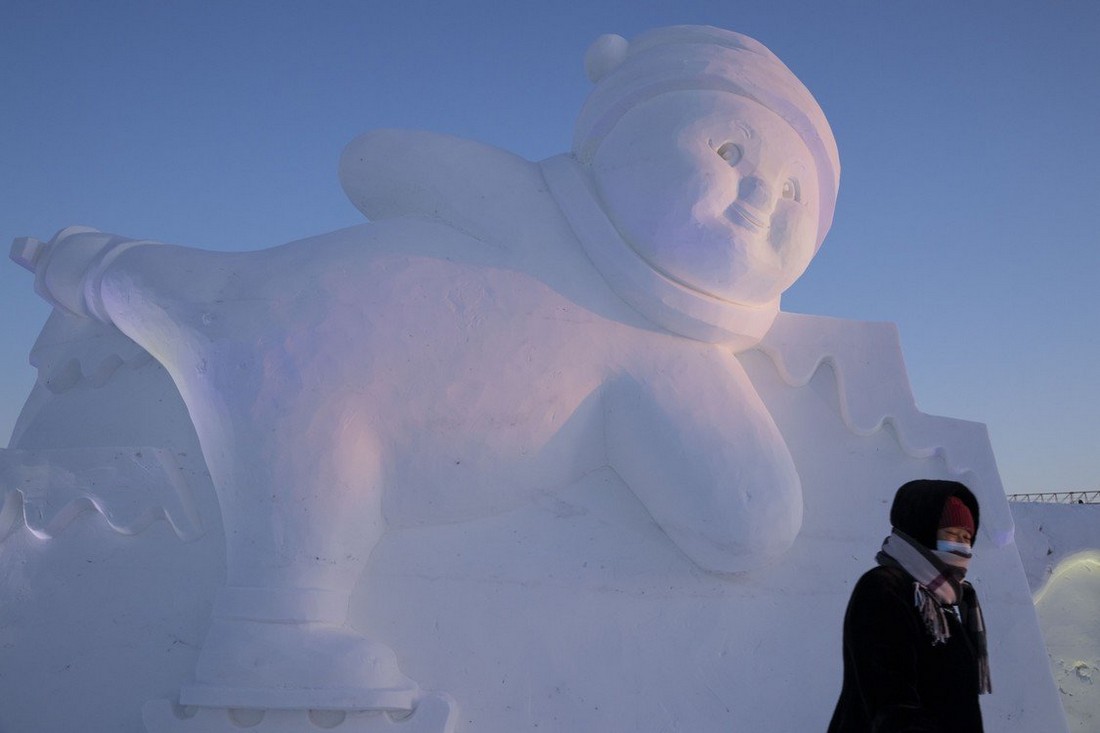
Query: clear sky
x,y
969,135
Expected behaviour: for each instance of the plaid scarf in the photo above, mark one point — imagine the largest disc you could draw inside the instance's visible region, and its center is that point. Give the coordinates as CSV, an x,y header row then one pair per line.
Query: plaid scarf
x,y
938,586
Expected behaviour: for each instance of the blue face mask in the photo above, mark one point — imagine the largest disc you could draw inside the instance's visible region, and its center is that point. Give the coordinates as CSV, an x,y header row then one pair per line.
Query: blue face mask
x,y
955,548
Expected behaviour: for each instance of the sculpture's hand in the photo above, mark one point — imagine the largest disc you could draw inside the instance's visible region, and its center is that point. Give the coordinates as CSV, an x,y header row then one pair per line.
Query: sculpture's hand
x,y
26,251
695,443
68,268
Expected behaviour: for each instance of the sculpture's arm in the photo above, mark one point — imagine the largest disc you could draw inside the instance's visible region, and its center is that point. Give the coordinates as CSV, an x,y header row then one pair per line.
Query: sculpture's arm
x,y
695,443
395,173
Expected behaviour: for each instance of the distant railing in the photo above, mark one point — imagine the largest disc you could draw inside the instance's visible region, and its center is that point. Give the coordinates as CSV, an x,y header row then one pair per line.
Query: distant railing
x,y
1060,497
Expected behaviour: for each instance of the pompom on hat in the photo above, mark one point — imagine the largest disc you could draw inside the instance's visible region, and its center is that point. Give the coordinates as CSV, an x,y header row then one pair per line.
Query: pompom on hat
x,y
688,57
956,514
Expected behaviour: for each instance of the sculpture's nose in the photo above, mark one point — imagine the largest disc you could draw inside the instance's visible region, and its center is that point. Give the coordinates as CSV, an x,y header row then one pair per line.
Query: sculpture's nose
x,y
755,192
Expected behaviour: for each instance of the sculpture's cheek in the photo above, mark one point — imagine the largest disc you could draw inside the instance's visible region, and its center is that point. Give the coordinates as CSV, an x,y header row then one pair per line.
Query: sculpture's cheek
x,y
792,237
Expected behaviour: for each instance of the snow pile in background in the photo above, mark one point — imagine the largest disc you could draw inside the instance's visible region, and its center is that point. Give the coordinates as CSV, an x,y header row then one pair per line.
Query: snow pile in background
x,y
1060,548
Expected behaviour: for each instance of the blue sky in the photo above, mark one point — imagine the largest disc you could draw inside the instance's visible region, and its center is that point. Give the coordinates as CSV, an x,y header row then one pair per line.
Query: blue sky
x,y
969,135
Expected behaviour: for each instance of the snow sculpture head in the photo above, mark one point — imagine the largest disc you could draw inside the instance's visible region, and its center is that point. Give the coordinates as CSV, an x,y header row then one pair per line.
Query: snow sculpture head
x,y
712,160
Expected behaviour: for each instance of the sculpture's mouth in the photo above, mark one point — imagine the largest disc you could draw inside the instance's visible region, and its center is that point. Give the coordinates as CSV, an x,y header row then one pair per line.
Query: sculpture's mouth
x,y
740,215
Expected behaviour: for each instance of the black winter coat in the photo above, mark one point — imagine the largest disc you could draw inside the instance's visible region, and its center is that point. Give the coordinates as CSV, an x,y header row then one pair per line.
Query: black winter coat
x,y
895,680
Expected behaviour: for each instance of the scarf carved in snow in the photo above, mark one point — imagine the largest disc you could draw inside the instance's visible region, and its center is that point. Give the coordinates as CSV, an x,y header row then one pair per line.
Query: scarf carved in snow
x,y
937,588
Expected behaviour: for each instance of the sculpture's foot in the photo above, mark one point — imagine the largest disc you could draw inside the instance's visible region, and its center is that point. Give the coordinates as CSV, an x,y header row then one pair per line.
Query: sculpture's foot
x,y
430,714
296,666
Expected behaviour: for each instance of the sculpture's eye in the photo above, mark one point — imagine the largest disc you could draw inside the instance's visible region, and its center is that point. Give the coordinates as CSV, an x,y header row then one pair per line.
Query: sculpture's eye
x,y
730,152
791,189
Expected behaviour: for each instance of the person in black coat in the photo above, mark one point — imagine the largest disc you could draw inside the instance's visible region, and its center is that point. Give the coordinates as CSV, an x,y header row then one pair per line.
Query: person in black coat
x,y
914,639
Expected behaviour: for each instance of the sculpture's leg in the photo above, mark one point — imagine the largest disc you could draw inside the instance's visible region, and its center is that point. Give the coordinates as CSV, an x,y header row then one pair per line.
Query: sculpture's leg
x,y
301,517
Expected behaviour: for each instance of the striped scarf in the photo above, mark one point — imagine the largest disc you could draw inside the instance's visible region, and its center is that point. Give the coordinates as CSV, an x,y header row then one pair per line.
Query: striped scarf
x,y
938,586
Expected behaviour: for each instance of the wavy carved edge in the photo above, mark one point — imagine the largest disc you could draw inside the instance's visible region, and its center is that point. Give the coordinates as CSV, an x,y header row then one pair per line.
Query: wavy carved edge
x,y
151,486
868,355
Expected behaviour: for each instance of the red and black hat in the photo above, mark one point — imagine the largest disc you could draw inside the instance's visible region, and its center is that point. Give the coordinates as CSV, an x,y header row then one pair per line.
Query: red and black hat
x,y
956,514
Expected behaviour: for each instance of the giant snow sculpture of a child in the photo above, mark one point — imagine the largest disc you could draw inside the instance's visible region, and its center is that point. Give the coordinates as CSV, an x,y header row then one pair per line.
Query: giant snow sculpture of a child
x,y
501,329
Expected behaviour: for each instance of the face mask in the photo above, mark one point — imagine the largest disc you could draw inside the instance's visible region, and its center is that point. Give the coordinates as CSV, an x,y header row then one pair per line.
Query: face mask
x,y
955,548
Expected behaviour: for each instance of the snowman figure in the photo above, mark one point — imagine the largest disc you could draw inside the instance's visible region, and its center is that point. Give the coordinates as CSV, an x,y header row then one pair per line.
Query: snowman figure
x,y
499,330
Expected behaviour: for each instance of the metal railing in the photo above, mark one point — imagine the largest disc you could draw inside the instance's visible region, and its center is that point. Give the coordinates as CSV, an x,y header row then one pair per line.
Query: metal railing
x,y
1060,497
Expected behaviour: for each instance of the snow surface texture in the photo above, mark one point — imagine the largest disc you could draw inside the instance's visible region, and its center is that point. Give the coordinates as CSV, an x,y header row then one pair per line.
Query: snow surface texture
x,y
1060,546
485,459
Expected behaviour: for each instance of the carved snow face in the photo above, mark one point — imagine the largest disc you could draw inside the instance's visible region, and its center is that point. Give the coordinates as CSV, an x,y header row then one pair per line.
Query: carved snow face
x,y
714,190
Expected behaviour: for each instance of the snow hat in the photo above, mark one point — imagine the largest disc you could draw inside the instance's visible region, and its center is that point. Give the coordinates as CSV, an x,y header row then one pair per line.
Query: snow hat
x,y
919,505
690,57
955,514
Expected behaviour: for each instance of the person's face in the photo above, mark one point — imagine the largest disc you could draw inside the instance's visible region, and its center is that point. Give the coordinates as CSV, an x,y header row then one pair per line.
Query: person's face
x,y
956,534
714,190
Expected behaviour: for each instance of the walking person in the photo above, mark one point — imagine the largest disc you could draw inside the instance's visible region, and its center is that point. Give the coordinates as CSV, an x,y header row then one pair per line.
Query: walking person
x,y
915,657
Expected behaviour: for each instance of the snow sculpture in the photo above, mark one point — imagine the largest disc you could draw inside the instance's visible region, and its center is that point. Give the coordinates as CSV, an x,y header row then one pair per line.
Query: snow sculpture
x,y
504,337
299,365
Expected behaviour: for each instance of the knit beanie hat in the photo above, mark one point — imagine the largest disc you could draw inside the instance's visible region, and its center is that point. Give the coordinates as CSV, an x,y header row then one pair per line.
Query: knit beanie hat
x,y
689,57
956,514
